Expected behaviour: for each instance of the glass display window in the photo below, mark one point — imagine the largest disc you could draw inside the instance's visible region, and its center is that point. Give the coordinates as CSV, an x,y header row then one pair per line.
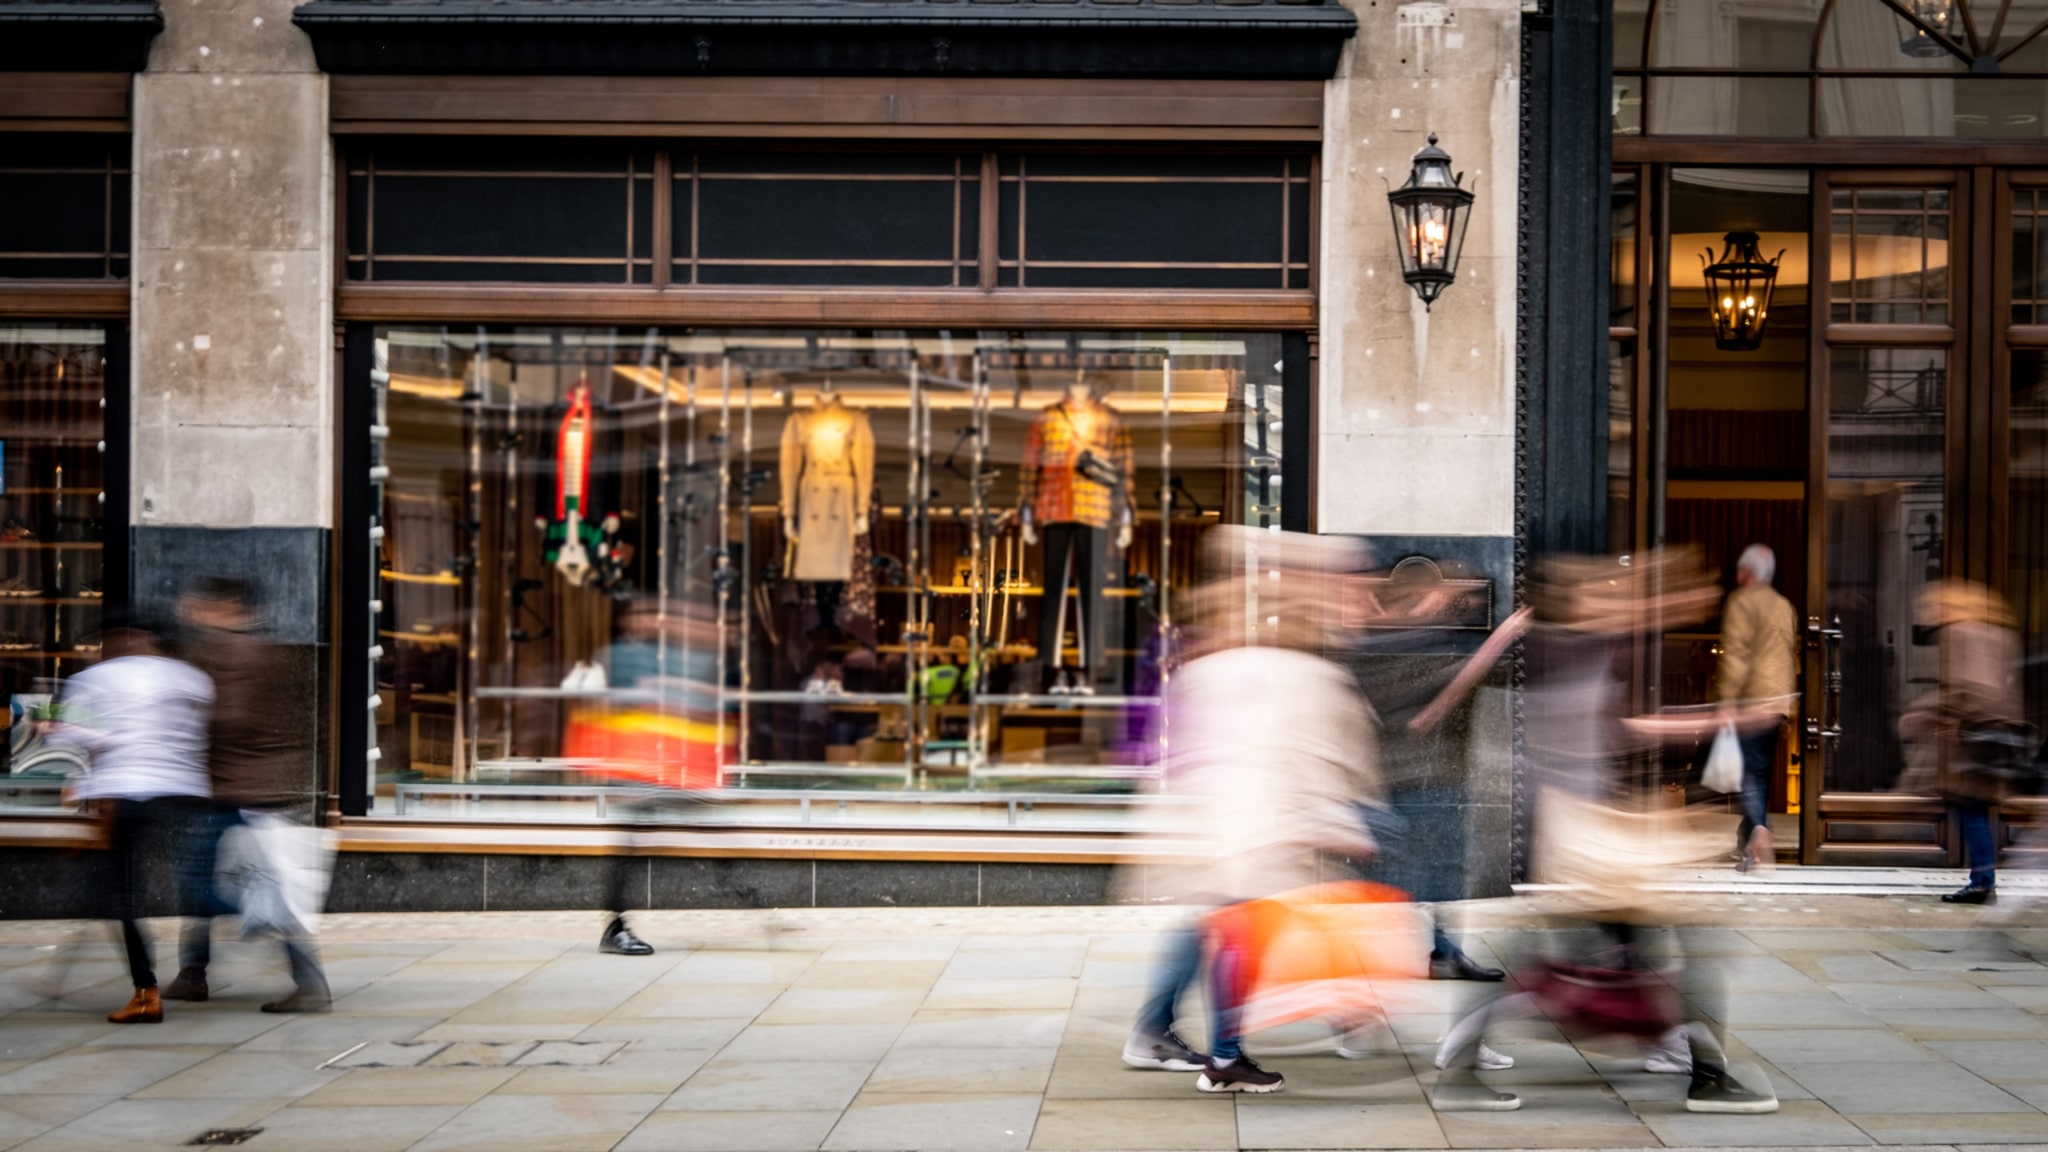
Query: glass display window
x,y
53,385
906,578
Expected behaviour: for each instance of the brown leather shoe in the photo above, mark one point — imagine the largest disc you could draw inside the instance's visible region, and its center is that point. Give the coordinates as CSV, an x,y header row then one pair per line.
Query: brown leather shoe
x,y
190,985
147,1007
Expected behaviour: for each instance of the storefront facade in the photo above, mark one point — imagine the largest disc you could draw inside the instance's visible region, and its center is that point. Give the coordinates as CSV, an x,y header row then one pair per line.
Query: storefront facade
x,y
814,358
1880,434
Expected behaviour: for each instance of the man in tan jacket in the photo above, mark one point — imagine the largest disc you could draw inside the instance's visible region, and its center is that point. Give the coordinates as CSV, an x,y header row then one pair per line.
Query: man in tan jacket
x,y
1759,638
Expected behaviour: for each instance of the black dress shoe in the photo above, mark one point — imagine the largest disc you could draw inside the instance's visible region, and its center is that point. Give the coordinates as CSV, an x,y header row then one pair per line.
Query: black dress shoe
x,y
1458,966
620,941
1971,896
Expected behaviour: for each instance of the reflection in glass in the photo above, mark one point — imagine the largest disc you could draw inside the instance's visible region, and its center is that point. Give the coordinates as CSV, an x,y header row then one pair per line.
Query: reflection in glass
x,y
834,523
1887,419
1890,256
2027,573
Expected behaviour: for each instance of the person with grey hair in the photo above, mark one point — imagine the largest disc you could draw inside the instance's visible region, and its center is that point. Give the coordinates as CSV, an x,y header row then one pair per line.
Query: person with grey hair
x,y
1757,677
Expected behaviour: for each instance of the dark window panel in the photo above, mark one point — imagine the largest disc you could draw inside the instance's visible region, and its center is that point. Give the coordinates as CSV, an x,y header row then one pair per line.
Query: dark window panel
x,y
825,220
1007,208
831,163
358,215
970,223
643,219
499,156
1182,277
515,216
65,268
391,268
1298,278
1006,277
643,274
119,269
1156,165
64,152
826,275
46,212
1182,223
1298,235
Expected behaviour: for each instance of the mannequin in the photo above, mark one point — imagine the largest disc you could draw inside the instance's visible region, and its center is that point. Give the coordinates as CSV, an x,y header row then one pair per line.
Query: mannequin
x,y
828,474
1078,477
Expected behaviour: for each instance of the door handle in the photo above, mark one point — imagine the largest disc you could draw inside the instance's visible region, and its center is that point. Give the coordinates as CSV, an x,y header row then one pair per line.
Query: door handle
x,y
1825,728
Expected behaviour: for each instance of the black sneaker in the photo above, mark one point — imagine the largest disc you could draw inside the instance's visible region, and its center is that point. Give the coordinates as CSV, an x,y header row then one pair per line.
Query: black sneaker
x,y
1723,1094
1458,966
1166,1053
1971,896
620,941
1240,1075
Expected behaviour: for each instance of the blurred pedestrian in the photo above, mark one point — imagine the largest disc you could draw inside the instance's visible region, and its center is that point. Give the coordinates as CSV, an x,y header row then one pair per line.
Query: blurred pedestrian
x,y
1623,966
1277,747
1974,718
254,753
141,717
660,730
1759,647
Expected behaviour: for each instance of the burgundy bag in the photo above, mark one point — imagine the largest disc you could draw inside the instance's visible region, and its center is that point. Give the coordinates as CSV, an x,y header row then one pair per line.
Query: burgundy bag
x,y
1631,1002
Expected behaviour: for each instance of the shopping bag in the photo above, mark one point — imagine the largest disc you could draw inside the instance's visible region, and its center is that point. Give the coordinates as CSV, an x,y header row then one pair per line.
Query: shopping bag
x,y
275,872
1322,951
1607,1001
1724,762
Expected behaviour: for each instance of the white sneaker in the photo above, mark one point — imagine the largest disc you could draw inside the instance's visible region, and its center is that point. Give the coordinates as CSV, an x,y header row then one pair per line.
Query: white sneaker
x,y
1489,1060
1670,1054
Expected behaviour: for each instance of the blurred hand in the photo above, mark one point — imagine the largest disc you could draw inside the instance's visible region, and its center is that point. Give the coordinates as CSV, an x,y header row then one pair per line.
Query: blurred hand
x,y
789,530
1123,536
860,526
1030,532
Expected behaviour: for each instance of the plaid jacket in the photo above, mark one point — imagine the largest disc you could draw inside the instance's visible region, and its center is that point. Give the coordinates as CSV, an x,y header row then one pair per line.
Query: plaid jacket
x,y
1055,492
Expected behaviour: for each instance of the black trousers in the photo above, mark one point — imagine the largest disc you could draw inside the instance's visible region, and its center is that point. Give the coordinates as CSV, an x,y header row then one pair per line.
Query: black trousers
x,y
138,834
1076,556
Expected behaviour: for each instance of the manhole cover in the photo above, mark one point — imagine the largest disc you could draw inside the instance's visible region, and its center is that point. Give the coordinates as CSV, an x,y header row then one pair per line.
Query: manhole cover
x,y
215,1136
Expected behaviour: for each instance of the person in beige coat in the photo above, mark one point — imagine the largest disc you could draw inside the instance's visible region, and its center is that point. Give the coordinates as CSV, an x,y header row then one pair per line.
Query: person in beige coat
x,y
1976,707
1757,676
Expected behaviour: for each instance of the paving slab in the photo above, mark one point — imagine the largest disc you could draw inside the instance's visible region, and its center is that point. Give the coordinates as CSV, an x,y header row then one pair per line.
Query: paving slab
x,y
1328,1125
22,1117
973,1028
1110,1125
575,1123
407,1087
812,1042
629,1071
888,1123
790,1131
475,1054
101,1071
234,1075
127,1125
771,1085
1863,1045
2007,1128
1796,1123
1910,1087
301,1129
978,1070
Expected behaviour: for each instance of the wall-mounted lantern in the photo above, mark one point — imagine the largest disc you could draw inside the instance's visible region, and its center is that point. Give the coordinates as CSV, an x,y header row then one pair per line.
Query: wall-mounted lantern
x,y
1938,15
1739,292
1430,214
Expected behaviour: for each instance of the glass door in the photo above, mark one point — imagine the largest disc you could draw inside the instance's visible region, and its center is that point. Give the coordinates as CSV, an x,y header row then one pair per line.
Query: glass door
x,y
1882,494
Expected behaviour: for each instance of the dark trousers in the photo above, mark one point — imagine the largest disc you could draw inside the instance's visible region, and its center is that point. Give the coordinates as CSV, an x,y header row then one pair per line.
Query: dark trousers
x,y
199,899
1759,758
135,829
1087,550
1979,847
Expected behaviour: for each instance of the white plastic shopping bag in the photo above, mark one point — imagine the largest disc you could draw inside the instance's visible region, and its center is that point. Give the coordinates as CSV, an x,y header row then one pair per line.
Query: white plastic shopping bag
x,y
1724,762
275,872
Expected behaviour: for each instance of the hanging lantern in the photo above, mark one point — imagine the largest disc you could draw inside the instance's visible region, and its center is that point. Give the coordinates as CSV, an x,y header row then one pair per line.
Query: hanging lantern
x,y
1430,214
1938,15
1739,292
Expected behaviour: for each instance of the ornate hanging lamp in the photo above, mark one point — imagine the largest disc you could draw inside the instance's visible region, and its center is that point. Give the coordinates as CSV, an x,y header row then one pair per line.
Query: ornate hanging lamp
x,y
1739,292
1430,214
1938,15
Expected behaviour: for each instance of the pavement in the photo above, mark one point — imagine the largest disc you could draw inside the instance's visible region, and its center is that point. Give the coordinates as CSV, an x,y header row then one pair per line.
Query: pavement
x,y
1882,1019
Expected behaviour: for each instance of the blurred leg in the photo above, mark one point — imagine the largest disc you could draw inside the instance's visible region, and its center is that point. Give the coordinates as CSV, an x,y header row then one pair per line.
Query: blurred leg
x,y
1177,970
1759,757
1978,846
198,895
125,850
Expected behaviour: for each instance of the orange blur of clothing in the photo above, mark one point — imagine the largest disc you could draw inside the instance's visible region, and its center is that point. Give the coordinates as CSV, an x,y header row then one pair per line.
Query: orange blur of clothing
x,y
648,748
1321,951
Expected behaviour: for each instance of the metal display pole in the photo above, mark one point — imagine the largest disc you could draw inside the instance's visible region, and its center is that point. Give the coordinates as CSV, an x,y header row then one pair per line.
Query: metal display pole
x,y
744,578
981,562
721,580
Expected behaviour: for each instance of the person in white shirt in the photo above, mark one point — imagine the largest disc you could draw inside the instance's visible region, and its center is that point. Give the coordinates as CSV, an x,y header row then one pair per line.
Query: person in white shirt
x,y
142,717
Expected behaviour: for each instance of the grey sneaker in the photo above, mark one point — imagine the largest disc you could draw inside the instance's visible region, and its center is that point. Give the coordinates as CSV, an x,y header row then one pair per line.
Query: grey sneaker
x,y
1472,1097
1164,1053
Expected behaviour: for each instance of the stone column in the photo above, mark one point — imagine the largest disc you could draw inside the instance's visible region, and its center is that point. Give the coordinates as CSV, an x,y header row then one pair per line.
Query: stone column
x,y
1416,409
233,319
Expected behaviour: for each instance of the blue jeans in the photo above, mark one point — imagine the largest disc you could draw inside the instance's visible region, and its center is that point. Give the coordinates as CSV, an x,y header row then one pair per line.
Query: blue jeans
x,y
1979,849
1177,973
1759,757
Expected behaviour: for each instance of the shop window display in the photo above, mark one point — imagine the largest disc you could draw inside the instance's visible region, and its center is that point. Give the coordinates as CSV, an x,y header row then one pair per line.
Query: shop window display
x,y
52,542
838,577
